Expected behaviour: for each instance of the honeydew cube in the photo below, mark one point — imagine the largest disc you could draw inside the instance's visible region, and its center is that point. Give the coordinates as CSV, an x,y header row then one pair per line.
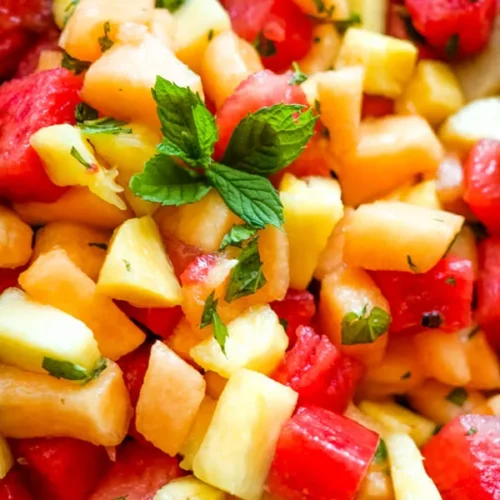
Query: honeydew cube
x,y
189,488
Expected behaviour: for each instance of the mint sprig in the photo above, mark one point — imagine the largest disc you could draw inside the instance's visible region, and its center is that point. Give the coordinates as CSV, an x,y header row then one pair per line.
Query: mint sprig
x,y
237,235
210,316
364,328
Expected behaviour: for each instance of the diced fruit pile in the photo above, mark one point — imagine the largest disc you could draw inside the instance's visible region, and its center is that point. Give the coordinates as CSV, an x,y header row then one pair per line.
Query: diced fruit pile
x,y
249,250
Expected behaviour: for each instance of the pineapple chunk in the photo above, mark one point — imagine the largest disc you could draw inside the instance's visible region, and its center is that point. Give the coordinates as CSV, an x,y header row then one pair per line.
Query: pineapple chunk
x,y
70,161
15,239
238,448
60,10
119,83
373,13
49,59
433,92
162,26
169,400
407,470
389,62
423,194
6,458
195,23
94,19
256,340
465,247
34,405
189,488
31,332
324,51
394,236
197,433
328,9
311,206
137,268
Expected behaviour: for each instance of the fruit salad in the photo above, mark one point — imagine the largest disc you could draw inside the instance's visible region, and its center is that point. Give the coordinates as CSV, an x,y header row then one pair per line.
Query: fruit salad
x,y
249,250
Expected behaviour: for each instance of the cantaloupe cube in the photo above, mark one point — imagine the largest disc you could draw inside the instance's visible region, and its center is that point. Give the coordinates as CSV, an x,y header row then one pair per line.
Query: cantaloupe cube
x,y
253,408
227,61
312,207
35,405
215,384
197,432
349,290
137,268
49,59
30,332
55,280
6,458
70,161
189,488
423,194
15,239
256,340
202,224
328,9
162,26
323,52
394,236
86,26
119,84
196,22
169,400
388,61
391,152
184,337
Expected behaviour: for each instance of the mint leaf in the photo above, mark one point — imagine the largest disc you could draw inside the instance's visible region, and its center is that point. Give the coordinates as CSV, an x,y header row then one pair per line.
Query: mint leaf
x,y
70,10
74,64
298,76
211,317
381,452
251,197
106,125
80,159
99,368
237,235
64,369
458,396
247,276
166,183
270,139
208,311
188,127
343,25
84,112
104,41
171,5
362,329
264,46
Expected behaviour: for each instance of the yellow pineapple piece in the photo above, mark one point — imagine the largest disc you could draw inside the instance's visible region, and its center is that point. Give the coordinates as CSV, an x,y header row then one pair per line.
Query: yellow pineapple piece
x,y
15,239
162,26
36,405
169,400
70,161
245,349
465,247
311,206
388,61
189,488
60,10
6,458
328,9
254,408
324,50
49,59
372,13
137,268
423,194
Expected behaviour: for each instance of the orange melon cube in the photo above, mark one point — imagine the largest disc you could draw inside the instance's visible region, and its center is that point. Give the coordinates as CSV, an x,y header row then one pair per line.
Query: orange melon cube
x,y
55,279
323,52
482,361
215,384
38,405
169,400
15,239
184,338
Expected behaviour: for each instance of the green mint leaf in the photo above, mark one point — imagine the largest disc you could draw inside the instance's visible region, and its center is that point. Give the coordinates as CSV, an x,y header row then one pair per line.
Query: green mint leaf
x,y
284,323
471,431
164,182
171,5
237,235
101,246
99,368
188,127
70,10
104,41
127,265
74,65
270,139
298,77
413,267
247,276
208,310
77,156
452,46
343,25
381,453
220,331
322,9
413,34
84,112
264,46
104,126
64,369
362,329
251,197
458,396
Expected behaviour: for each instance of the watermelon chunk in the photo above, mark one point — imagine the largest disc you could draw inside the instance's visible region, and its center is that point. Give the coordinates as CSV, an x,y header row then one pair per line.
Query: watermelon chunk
x,y
9,277
13,45
29,63
14,486
463,459
181,254
34,15
27,105
321,456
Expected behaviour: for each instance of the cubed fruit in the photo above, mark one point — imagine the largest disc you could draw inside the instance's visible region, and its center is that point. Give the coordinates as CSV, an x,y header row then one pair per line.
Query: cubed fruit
x,y
35,405
184,337
215,384
375,106
70,161
55,280
49,59
252,407
329,9
311,206
60,9
423,194
372,13
345,291
119,83
84,245
14,487
321,455
407,469
138,473
245,349
377,485
391,151
181,254
169,400
439,298
197,432
16,236
433,92
94,19
465,247
162,26
62,468
324,51
137,268
463,459
202,224
196,22
23,112
389,62
6,459
428,235
227,61
189,488
30,332
319,373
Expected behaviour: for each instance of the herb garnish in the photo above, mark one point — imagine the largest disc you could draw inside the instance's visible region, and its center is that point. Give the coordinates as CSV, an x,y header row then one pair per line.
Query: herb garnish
x,y
78,156
362,328
237,235
452,46
70,371
171,5
74,64
298,77
458,396
343,25
211,317
104,41
413,267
